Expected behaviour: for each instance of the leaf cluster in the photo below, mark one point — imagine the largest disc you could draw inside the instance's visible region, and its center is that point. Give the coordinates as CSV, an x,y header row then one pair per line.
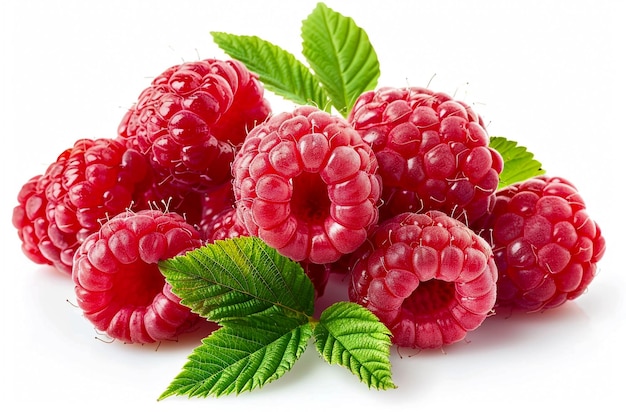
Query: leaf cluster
x,y
264,305
342,64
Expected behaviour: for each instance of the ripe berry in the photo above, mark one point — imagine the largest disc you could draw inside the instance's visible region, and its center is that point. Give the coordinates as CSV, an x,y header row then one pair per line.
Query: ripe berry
x,y
223,225
189,120
214,202
428,277
546,245
118,283
306,183
433,152
87,183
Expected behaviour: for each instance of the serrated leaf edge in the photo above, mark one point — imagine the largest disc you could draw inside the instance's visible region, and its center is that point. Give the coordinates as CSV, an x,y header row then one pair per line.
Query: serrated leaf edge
x,y
375,372
254,362
342,86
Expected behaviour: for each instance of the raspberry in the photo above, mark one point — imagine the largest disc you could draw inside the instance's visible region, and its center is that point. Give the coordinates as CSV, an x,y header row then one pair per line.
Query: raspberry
x,y
428,277
214,203
118,283
306,184
224,225
433,152
319,275
546,246
29,217
189,120
88,182
187,204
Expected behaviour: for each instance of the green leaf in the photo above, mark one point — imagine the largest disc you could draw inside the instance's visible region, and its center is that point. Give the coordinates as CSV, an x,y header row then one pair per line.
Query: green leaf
x,y
238,277
341,56
519,163
245,354
278,70
352,336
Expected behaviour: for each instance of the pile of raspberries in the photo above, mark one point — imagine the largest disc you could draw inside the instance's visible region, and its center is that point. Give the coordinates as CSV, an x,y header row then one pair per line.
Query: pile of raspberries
x,y
401,197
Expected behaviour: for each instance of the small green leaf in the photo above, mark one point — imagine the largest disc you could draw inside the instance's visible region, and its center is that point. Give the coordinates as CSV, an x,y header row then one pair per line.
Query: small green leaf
x,y
245,354
341,56
519,163
352,336
238,277
278,70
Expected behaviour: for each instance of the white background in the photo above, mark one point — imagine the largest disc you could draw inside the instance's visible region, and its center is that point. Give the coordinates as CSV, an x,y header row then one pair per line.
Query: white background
x,y
549,75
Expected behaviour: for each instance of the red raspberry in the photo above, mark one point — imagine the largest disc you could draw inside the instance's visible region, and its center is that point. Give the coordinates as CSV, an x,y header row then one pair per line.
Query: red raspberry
x,y
545,244
189,120
118,283
187,204
249,106
319,275
87,183
433,152
428,277
214,203
224,225
306,183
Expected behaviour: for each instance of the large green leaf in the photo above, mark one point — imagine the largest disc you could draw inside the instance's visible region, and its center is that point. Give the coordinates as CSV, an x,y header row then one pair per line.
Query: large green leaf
x,y
238,277
245,354
519,163
352,336
341,56
278,70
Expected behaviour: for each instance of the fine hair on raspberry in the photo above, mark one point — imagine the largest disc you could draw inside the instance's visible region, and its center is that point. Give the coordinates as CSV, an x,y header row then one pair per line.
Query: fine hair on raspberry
x,y
189,121
428,277
545,242
118,284
87,183
306,183
433,152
